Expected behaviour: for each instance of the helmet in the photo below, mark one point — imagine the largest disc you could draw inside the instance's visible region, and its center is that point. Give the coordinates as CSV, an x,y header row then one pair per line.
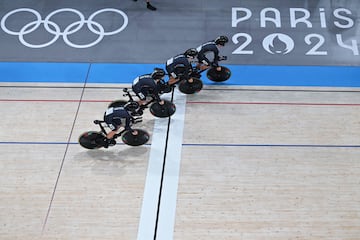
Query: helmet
x,y
179,69
131,106
158,73
221,40
191,52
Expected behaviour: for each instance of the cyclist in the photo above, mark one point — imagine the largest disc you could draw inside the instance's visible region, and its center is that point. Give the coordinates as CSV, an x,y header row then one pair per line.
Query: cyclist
x,y
208,53
179,67
116,117
150,85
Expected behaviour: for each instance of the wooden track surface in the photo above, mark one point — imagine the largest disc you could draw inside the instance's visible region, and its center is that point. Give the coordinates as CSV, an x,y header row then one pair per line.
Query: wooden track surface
x,y
256,163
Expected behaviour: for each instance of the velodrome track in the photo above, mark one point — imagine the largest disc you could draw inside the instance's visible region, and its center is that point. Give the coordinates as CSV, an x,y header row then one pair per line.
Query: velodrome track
x,y
273,153
233,161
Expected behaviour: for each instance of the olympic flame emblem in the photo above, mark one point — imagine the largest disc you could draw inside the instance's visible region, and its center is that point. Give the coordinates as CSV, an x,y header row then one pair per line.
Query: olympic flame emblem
x,y
278,43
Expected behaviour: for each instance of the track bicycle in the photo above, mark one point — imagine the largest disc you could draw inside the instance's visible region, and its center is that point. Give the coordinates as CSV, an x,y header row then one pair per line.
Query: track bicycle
x,y
212,74
158,110
96,139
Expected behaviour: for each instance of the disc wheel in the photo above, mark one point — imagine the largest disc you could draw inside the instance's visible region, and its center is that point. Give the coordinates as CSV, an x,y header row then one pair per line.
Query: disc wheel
x,y
218,76
91,140
135,140
190,88
162,111
117,103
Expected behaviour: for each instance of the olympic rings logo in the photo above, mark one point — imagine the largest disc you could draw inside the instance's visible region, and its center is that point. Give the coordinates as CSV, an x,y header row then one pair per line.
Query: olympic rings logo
x,y
54,29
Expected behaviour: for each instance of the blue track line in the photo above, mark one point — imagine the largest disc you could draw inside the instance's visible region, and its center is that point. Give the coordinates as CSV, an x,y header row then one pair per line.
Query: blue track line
x,y
207,145
273,145
38,143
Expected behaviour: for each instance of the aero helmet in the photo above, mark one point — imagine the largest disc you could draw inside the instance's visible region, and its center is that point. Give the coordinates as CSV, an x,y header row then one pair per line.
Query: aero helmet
x,y
158,73
221,40
191,52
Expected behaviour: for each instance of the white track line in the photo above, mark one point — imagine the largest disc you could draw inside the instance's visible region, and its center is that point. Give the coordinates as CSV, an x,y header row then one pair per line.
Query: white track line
x,y
167,209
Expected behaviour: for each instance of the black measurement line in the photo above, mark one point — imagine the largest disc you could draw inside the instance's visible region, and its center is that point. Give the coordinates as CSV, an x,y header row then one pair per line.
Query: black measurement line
x,y
163,172
65,153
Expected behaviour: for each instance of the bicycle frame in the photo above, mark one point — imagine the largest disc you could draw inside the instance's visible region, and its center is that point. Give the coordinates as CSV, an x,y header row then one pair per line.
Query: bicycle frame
x,y
131,99
100,123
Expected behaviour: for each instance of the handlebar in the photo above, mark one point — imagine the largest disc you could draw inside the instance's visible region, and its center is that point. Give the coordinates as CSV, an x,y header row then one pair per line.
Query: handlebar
x,y
98,121
128,94
222,58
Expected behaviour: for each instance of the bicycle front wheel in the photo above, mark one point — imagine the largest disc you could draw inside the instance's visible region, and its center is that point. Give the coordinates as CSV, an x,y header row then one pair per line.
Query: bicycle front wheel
x,y
91,140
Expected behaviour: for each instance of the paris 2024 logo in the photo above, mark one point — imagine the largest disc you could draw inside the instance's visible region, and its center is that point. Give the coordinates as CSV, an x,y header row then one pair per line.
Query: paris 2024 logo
x,y
282,42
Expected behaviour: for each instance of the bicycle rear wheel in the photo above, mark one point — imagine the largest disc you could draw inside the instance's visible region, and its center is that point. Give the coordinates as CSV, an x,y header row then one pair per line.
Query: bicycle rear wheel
x,y
135,140
218,76
91,139
190,88
117,103
162,111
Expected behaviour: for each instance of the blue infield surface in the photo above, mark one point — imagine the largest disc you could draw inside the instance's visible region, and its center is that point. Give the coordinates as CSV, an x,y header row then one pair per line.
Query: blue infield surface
x,y
322,76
